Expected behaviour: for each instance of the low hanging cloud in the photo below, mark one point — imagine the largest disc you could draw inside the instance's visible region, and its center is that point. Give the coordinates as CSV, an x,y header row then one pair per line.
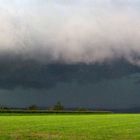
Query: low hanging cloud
x,y
69,31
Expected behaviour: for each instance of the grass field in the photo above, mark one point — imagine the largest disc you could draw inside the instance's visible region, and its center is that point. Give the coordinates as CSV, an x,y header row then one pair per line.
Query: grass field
x,y
70,127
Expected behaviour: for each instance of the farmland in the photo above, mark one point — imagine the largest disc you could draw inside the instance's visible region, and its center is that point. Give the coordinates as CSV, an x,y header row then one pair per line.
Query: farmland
x,y
69,126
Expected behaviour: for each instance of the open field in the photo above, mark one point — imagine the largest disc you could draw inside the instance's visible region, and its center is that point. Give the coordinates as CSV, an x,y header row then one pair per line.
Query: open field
x,y
70,127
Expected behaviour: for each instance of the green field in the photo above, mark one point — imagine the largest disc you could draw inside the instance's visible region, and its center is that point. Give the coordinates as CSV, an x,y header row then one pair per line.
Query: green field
x,y
70,127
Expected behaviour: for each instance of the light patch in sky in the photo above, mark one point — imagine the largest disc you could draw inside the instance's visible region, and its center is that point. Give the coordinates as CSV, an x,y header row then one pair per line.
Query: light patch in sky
x,y
70,31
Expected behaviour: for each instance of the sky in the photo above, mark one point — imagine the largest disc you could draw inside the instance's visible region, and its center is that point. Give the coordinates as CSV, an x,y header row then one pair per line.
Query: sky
x,y
80,52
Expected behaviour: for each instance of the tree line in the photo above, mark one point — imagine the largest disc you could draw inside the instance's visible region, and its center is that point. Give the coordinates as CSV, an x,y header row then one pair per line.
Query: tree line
x,y
57,107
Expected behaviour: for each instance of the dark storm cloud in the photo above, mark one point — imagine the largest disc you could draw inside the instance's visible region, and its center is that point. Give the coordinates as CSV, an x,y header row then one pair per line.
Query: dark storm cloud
x,y
44,42
19,73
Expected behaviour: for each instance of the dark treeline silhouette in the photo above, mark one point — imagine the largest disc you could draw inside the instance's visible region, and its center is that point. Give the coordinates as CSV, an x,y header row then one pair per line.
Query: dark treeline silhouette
x,y
57,108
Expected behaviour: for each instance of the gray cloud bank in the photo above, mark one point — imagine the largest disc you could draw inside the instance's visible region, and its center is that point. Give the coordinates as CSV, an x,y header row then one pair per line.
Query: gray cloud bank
x,y
80,52
44,42
18,73
81,31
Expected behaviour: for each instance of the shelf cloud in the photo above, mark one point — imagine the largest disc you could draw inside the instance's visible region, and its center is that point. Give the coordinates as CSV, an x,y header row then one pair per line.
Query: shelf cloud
x,y
81,31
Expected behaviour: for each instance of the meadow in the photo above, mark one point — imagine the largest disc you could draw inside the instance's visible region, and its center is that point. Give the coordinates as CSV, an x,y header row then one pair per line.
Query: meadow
x,y
69,127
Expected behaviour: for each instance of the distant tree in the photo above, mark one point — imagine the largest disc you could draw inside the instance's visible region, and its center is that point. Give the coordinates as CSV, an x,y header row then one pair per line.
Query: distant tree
x,y
33,107
58,106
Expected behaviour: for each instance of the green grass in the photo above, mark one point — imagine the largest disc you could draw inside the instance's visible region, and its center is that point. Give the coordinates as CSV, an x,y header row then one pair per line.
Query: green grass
x,y
70,127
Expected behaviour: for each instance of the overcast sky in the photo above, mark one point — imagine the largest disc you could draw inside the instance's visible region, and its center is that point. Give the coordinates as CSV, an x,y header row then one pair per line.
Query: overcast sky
x,y
66,49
